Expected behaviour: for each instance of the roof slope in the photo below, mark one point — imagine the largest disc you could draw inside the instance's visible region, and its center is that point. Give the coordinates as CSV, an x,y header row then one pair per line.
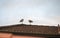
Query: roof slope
x,y
34,29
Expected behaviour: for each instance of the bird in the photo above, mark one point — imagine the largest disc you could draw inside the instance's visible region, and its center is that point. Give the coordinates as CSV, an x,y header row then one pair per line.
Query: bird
x,y
30,21
21,20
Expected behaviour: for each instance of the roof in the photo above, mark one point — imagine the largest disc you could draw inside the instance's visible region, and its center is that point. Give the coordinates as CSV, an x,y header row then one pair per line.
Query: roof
x,y
30,29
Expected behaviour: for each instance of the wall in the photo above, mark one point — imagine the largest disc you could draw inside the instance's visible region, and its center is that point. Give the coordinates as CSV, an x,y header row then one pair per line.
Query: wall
x,y
9,35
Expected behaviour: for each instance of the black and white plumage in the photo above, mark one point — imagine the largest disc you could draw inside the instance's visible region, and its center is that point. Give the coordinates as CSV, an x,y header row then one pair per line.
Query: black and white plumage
x,y
21,20
30,21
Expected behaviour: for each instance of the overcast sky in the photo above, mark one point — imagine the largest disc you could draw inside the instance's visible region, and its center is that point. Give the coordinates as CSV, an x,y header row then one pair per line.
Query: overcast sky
x,y
46,12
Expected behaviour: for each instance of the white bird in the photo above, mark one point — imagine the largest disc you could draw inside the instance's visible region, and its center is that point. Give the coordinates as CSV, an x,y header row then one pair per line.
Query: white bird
x,y
21,20
30,21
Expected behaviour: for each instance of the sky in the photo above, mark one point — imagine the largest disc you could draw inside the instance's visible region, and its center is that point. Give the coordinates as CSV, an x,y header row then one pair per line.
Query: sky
x,y
41,12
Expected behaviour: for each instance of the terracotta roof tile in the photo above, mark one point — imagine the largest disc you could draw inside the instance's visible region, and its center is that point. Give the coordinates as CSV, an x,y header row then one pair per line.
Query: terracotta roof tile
x,y
21,28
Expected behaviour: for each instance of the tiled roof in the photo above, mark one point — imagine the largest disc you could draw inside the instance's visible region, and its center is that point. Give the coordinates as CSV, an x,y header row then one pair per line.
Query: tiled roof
x,y
34,29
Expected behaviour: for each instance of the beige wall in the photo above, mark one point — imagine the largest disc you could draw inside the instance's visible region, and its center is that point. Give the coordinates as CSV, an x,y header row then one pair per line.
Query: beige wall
x,y
8,35
5,35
